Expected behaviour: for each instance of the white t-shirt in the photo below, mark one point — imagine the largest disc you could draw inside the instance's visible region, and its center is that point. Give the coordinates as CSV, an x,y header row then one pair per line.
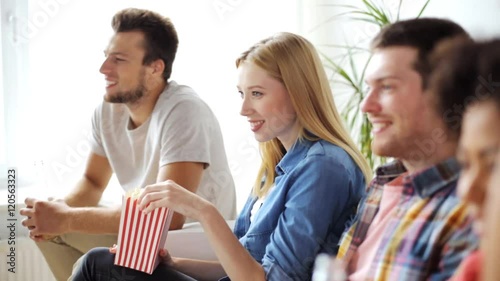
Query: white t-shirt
x,y
181,128
258,204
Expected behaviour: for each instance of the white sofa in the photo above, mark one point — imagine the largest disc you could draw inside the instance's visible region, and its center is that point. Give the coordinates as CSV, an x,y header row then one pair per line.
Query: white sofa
x,y
189,242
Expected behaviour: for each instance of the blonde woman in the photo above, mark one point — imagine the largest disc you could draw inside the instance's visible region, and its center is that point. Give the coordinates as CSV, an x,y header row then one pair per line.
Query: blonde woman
x,y
307,188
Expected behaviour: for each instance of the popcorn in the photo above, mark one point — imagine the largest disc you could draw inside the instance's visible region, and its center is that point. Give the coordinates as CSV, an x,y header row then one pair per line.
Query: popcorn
x,y
140,236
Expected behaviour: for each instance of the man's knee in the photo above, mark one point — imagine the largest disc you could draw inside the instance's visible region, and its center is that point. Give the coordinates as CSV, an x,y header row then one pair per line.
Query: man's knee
x,y
99,254
97,257
59,257
95,260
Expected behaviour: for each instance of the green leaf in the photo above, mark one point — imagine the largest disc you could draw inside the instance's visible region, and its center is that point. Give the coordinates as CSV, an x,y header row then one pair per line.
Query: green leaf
x,y
362,78
336,81
423,8
399,9
375,17
376,12
353,66
348,71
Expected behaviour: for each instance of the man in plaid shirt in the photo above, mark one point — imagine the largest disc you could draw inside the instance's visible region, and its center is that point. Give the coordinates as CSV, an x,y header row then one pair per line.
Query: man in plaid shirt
x,y
411,225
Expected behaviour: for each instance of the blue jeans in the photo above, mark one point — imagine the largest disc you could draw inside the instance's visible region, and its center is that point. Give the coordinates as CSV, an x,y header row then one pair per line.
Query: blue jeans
x,y
98,265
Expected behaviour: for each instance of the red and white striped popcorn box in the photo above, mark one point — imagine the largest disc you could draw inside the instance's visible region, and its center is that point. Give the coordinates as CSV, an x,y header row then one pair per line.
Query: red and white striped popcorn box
x,y
141,236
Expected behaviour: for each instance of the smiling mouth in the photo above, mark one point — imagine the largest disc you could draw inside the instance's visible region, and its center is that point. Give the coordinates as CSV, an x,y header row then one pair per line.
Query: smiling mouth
x,y
110,84
256,125
379,127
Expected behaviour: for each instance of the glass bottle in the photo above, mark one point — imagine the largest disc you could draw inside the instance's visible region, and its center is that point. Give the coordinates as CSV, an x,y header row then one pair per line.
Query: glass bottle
x,y
328,268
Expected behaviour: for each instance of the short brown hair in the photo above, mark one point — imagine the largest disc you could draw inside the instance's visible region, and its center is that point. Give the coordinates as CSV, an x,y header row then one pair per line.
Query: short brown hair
x,y
422,34
466,72
159,33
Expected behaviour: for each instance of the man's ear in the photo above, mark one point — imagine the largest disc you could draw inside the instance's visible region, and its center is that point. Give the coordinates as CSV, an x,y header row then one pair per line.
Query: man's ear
x,y
158,67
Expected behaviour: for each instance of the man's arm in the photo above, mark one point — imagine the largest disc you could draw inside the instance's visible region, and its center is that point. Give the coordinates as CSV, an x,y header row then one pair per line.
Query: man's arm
x,y
90,188
186,174
78,211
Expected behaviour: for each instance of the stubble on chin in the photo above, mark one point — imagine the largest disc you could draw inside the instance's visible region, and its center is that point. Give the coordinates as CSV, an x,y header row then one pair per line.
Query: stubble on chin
x,y
124,98
131,96
128,97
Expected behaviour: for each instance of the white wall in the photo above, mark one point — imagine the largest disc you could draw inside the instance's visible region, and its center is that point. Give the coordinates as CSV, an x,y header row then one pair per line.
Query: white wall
x,y
479,18
67,39
325,28
66,42
328,25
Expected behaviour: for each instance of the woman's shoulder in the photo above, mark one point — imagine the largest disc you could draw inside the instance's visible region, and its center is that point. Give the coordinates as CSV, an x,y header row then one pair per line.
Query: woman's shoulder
x,y
328,149
330,161
326,155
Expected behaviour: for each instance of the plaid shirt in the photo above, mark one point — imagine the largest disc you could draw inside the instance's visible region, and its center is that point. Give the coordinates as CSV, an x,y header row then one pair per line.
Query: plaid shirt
x,y
430,232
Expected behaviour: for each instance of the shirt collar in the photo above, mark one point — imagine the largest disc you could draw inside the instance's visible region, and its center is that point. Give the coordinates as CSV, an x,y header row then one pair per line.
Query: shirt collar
x,y
426,182
390,170
435,178
297,152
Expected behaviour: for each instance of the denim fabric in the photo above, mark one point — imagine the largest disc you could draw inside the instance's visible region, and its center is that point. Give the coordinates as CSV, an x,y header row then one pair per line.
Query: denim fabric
x,y
98,265
317,190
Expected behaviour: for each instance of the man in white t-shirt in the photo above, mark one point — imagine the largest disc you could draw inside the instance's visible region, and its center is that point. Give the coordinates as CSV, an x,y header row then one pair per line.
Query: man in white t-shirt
x,y
147,130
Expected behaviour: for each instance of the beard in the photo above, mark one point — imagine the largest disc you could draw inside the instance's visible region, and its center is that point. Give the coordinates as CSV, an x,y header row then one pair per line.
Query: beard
x,y
129,97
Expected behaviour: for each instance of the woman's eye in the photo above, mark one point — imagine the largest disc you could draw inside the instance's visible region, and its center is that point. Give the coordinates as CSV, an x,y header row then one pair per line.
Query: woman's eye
x,y
256,94
241,94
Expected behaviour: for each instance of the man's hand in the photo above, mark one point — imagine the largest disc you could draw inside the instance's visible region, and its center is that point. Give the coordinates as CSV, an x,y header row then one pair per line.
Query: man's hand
x,y
46,219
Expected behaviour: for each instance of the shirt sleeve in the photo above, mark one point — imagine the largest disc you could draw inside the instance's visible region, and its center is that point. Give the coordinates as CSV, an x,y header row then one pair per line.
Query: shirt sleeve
x,y
95,139
346,240
346,246
321,199
186,133
461,243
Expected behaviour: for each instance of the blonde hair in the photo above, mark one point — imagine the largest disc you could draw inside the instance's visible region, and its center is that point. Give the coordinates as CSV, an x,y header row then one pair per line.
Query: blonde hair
x,y
293,60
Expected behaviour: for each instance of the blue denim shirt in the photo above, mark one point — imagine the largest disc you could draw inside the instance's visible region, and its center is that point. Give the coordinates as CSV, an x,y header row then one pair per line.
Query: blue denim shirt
x,y
317,190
